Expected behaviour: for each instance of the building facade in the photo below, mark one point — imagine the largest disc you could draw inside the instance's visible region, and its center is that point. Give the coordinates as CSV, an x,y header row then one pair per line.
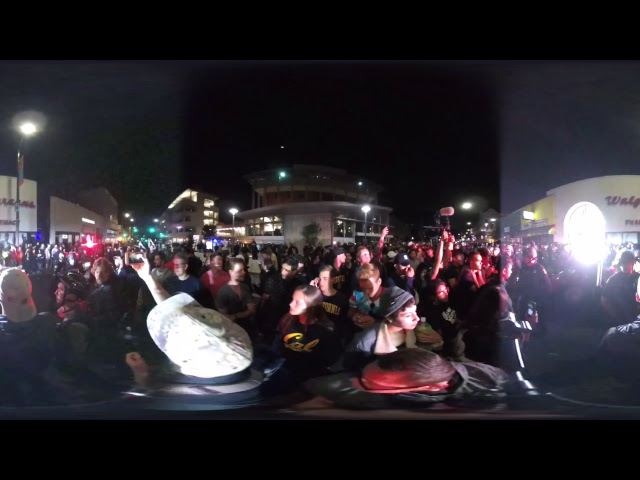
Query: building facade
x,y
28,210
303,202
188,215
101,202
71,223
595,210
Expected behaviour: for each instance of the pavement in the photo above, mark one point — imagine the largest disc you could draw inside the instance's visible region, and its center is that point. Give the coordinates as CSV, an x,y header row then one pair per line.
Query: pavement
x,y
563,360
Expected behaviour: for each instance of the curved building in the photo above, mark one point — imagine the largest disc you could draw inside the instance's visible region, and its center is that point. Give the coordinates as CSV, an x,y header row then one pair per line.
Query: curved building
x,y
289,204
591,210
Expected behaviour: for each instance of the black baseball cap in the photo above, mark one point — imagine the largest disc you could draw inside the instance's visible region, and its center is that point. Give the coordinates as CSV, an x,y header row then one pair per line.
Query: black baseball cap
x,y
403,259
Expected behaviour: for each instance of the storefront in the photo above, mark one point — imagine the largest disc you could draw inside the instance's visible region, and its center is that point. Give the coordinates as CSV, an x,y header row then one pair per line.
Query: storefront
x,y
70,223
602,209
538,220
28,210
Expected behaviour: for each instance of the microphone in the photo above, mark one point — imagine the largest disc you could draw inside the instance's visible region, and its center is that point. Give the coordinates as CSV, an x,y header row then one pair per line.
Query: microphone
x,y
447,212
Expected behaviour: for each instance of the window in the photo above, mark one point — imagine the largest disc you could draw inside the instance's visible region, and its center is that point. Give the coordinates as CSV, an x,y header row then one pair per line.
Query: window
x,y
209,203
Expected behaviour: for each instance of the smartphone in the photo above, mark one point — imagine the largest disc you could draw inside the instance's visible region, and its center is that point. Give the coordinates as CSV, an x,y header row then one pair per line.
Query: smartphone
x,y
531,309
135,258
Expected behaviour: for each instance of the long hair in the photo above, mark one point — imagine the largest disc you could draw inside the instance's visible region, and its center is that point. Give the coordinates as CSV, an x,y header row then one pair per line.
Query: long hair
x,y
314,312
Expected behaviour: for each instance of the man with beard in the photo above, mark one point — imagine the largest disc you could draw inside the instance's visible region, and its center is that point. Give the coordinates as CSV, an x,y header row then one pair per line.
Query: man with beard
x,y
276,296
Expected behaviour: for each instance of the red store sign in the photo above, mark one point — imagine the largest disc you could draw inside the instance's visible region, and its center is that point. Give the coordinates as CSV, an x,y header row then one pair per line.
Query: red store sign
x,y
12,201
618,200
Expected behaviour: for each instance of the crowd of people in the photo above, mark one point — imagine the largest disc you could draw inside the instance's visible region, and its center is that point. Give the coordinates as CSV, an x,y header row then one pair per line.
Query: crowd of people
x,y
353,326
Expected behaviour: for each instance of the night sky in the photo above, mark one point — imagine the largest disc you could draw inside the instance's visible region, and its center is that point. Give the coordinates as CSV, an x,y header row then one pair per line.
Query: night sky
x,y
432,133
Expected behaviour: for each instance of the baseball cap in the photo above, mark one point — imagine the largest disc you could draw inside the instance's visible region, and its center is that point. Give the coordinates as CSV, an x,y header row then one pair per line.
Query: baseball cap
x,y
403,259
392,300
338,251
626,258
201,342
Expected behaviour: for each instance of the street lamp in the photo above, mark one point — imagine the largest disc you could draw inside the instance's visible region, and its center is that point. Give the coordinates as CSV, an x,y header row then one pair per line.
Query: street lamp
x,y
26,130
467,205
233,212
366,209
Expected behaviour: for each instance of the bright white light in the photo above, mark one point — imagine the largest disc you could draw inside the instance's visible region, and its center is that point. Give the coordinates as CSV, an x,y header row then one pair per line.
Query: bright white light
x,y
28,128
281,146
131,219
359,184
366,209
492,219
155,220
585,230
233,211
126,215
467,205
283,174
468,223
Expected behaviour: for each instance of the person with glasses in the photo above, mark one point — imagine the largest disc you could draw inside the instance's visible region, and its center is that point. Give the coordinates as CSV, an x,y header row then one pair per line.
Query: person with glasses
x,y
183,282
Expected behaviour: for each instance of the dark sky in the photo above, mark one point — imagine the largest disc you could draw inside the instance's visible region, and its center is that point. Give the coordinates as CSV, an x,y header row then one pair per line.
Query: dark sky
x,y
432,133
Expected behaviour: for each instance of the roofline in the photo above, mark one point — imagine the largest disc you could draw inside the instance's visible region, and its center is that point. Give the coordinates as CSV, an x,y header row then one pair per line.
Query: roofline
x,y
552,191
314,206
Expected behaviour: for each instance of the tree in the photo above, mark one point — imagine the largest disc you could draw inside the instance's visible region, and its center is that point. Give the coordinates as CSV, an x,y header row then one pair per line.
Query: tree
x,y
209,231
311,232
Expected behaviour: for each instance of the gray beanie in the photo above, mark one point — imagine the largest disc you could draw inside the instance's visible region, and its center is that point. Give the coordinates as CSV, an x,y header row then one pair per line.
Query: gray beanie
x,y
392,300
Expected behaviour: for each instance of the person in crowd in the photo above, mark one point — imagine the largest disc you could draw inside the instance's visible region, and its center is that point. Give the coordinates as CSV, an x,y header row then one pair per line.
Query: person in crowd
x,y
235,299
28,343
336,304
409,378
306,340
396,331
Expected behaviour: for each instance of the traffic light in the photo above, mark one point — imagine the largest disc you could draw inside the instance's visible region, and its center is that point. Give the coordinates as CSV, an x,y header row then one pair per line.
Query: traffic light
x,y
135,229
152,230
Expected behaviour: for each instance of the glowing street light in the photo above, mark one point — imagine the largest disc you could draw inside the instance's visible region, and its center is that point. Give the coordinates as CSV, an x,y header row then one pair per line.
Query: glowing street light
x,y
126,215
233,212
155,220
467,205
366,209
26,129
